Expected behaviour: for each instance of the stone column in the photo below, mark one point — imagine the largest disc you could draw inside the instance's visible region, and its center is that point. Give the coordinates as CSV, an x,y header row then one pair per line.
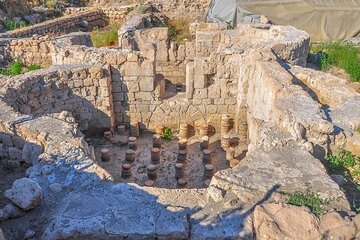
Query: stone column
x,y
225,124
208,171
207,158
130,155
157,141
105,155
155,155
108,136
182,144
132,144
134,129
152,172
126,171
204,142
179,170
182,156
183,132
121,129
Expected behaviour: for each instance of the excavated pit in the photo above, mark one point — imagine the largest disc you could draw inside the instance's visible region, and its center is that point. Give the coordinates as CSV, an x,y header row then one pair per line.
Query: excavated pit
x,y
194,165
239,75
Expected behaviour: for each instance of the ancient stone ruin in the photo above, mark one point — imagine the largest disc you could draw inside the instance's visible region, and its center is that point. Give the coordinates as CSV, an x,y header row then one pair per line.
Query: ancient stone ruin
x,y
158,140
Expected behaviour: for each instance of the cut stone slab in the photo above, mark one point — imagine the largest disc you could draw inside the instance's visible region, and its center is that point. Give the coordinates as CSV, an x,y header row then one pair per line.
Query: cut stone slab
x,y
25,193
121,211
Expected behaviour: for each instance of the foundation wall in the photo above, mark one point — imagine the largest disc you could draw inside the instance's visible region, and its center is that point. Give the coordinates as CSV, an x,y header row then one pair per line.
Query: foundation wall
x,y
85,91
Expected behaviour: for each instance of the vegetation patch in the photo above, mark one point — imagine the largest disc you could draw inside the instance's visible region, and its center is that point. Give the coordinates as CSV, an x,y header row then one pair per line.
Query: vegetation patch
x,y
167,134
18,67
309,199
179,30
342,55
129,10
12,25
345,162
106,37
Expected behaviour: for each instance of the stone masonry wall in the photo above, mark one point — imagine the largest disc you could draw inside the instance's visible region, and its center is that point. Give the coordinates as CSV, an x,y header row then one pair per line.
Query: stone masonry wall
x,y
111,13
35,50
83,90
132,73
189,9
60,25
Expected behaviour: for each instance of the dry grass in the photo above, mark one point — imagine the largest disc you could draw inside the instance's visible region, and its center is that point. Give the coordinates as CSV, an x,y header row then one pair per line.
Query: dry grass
x,y
106,37
179,30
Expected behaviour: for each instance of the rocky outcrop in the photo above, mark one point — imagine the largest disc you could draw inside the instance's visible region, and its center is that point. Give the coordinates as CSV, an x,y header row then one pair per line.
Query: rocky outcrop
x,y
2,235
25,193
281,221
275,221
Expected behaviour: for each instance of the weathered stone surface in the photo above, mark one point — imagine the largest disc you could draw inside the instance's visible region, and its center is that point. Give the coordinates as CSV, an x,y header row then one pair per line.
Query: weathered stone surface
x,y
334,226
2,237
288,169
56,187
11,211
136,214
279,221
25,193
31,153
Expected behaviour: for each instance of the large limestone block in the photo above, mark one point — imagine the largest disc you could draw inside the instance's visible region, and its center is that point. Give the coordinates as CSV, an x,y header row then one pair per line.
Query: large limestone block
x,y
31,152
280,221
25,193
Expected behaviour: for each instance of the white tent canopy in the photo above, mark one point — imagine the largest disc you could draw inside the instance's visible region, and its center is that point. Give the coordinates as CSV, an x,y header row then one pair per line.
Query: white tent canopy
x,y
325,20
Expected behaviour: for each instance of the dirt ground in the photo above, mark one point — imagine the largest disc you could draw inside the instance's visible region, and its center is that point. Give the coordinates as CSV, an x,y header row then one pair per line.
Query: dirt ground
x,y
194,167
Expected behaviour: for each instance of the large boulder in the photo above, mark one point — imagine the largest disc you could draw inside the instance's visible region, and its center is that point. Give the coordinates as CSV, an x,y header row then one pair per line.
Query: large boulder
x,y
281,221
25,193
31,153
334,226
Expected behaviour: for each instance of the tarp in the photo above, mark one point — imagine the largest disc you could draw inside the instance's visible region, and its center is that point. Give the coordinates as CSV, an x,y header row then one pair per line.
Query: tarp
x,y
325,20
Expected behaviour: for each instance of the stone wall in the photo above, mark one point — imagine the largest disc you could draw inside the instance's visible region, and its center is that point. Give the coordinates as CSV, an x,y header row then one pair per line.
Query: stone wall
x,y
265,90
189,9
35,50
83,90
132,73
66,24
115,13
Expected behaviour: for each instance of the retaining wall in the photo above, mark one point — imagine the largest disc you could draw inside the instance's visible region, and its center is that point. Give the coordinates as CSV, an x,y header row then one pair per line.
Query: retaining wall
x,y
83,90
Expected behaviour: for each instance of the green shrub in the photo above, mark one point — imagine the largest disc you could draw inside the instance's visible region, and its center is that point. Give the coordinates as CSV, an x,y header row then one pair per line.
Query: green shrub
x,y
179,30
33,67
12,25
309,199
167,134
105,37
345,56
14,69
345,161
